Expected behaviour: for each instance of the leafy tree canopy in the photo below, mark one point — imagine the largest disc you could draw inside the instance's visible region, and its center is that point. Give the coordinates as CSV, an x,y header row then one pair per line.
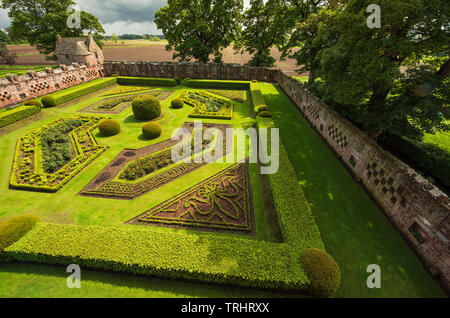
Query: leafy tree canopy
x,y
39,21
199,28
380,77
266,23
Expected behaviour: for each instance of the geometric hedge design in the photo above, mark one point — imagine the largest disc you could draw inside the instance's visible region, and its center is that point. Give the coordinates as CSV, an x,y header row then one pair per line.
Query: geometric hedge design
x,y
28,172
222,201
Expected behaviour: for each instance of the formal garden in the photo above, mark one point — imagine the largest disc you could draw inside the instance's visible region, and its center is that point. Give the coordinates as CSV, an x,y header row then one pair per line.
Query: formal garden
x,y
88,179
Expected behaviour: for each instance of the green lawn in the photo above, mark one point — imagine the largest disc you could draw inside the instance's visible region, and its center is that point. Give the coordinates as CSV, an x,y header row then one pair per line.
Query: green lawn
x,y
442,139
354,230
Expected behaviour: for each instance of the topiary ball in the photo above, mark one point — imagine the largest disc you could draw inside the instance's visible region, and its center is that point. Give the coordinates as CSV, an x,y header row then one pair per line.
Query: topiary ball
x,y
12,229
146,107
48,101
151,130
109,127
322,270
33,103
265,114
177,103
262,108
254,81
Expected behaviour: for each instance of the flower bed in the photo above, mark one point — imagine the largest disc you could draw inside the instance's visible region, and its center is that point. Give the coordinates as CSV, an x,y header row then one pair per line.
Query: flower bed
x,y
28,171
207,105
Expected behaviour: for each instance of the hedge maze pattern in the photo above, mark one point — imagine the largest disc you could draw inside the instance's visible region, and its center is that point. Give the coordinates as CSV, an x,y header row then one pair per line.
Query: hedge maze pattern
x,y
222,201
116,105
109,184
28,172
207,105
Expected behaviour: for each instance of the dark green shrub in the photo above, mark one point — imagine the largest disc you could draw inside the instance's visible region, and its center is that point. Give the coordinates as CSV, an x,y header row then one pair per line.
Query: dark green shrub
x,y
265,114
254,81
262,108
146,107
12,229
151,130
241,85
33,103
177,103
322,270
178,80
48,101
109,127
16,114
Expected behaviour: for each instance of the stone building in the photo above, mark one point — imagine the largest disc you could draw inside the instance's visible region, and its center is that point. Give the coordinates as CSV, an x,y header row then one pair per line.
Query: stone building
x,y
81,50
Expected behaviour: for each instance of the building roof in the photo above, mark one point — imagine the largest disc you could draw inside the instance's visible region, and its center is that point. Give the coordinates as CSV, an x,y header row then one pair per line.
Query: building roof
x,y
73,46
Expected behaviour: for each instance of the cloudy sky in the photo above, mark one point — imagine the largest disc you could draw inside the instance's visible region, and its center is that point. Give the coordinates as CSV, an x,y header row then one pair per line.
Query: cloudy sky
x,y
118,16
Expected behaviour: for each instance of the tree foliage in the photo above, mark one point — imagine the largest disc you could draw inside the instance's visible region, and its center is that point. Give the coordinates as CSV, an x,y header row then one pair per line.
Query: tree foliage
x,y
197,29
265,24
39,21
379,77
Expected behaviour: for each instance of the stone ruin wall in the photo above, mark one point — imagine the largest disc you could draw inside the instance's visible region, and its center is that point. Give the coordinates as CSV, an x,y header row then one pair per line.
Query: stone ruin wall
x,y
407,199
17,89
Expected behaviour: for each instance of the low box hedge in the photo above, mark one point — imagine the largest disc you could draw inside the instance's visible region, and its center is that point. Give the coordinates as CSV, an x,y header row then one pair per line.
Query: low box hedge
x,y
146,81
208,258
218,84
10,116
69,94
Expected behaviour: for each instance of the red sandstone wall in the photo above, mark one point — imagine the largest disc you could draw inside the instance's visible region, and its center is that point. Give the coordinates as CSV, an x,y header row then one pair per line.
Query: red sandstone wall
x,y
17,89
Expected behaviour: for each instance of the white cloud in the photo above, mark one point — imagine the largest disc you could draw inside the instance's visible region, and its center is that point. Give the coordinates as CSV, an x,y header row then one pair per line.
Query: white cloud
x,y
130,27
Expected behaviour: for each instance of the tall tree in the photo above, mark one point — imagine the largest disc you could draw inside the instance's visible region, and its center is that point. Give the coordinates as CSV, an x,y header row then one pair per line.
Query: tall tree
x,y
372,75
197,29
265,25
4,37
39,21
114,37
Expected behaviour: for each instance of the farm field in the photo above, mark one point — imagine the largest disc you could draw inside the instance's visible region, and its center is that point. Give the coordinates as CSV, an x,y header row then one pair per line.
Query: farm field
x,y
353,230
135,50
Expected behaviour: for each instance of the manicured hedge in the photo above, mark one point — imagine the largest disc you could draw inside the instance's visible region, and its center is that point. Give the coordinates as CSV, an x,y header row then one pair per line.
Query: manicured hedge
x,y
429,157
151,130
10,116
177,103
323,271
33,103
146,107
208,258
146,81
218,84
297,223
12,229
83,89
109,127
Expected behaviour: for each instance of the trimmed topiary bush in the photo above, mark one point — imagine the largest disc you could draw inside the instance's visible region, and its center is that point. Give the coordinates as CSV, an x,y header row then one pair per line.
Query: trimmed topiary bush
x,y
265,113
254,81
177,103
12,229
262,108
146,107
109,127
33,103
322,270
151,130
48,101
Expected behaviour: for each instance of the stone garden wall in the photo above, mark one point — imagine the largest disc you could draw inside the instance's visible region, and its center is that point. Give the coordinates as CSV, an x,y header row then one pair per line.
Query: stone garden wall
x,y
190,70
17,89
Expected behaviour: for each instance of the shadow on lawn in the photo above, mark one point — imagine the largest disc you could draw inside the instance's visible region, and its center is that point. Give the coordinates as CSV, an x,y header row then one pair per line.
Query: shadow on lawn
x,y
147,283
